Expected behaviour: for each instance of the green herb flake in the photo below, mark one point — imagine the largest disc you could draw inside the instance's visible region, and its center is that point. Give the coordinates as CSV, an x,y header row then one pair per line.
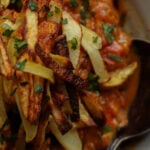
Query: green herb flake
x,y
57,10
115,57
13,92
50,13
107,129
20,44
105,9
84,14
21,64
47,97
8,31
93,82
74,43
86,4
64,21
17,4
39,89
33,5
108,31
24,83
74,3
95,39
6,26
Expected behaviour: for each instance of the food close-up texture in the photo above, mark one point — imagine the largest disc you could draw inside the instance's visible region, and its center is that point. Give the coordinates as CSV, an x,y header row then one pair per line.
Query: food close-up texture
x,y
67,74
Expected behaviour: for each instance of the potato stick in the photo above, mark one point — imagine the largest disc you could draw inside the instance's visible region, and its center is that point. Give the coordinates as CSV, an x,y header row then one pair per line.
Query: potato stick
x,y
30,130
35,98
70,141
118,77
32,28
6,67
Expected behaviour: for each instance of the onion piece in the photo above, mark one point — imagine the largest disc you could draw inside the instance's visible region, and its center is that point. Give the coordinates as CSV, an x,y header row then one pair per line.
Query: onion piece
x,y
12,25
4,3
61,60
118,77
30,130
92,43
72,30
39,70
70,141
84,116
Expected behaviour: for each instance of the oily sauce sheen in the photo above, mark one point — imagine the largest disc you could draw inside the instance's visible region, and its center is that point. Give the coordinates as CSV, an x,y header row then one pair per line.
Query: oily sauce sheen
x,y
47,91
115,102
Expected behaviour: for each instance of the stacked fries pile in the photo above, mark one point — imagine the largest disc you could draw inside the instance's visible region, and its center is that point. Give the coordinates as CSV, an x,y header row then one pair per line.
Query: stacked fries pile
x,y
55,76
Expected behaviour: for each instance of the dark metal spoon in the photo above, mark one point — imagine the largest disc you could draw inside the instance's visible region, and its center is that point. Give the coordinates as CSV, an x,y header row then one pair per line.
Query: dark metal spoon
x,y
139,113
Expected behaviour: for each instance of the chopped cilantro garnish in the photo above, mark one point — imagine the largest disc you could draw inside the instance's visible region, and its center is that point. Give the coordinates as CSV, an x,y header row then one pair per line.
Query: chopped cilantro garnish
x,y
86,4
17,3
115,57
74,43
64,21
39,89
74,3
6,26
105,9
21,64
8,31
108,31
47,97
33,5
107,129
84,14
93,82
20,44
50,13
95,39
57,10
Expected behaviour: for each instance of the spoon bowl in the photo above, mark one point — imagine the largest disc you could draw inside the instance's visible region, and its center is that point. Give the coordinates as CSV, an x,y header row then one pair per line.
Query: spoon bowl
x,y
138,116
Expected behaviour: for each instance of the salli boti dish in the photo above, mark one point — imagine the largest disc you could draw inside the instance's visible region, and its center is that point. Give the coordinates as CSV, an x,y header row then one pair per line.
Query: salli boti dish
x,y
68,75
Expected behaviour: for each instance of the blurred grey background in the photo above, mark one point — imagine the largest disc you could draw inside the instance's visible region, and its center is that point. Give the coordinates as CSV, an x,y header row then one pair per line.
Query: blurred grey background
x,y
138,25
138,18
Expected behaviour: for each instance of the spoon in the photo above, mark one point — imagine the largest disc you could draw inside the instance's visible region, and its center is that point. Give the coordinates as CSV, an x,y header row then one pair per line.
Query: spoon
x,y
139,113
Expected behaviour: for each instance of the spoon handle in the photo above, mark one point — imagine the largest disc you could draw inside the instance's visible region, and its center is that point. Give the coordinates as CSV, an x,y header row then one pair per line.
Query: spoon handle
x,y
118,141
